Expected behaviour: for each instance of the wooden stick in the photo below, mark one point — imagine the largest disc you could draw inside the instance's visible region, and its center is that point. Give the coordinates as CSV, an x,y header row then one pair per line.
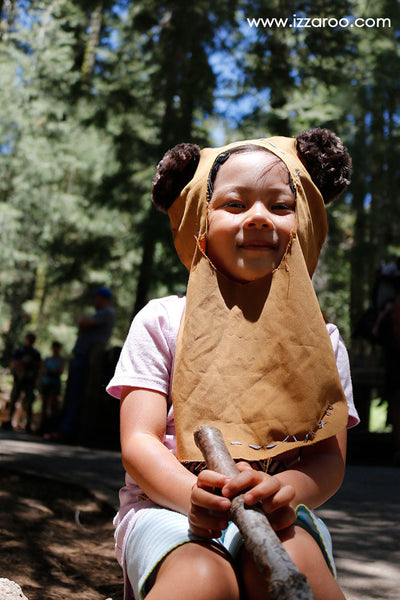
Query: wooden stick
x,y
285,582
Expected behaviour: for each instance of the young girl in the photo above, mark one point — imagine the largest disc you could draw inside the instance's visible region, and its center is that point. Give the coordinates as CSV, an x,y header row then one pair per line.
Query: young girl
x,y
248,351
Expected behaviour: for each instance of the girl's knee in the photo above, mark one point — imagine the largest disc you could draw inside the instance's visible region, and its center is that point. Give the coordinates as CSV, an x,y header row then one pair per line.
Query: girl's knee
x,y
255,587
196,571
308,558
303,550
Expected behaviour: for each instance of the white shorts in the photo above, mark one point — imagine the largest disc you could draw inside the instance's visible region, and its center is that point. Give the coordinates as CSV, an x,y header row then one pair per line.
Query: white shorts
x,y
158,531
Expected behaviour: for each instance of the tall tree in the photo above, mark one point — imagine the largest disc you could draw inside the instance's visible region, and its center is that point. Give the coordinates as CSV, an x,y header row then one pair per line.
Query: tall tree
x,y
166,46
47,224
341,78
93,92
372,105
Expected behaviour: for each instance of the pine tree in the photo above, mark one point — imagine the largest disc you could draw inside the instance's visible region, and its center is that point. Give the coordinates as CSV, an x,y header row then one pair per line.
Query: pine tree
x,y
48,224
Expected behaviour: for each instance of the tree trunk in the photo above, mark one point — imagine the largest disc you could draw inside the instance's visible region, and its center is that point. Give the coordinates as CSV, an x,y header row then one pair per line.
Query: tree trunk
x,y
171,127
146,266
89,59
7,15
360,248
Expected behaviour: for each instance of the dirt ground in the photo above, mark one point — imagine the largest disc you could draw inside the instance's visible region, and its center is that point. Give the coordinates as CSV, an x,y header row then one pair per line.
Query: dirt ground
x,y
56,540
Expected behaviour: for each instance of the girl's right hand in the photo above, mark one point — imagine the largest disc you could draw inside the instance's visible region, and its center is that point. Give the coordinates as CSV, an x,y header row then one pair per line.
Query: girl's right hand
x,y
208,513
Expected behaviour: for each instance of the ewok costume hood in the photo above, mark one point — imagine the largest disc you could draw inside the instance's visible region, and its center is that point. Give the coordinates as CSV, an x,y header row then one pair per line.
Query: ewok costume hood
x,y
253,360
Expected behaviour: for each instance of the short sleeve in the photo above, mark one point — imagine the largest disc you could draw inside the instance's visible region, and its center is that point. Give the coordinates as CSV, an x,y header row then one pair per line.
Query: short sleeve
x,y
343,365
146,359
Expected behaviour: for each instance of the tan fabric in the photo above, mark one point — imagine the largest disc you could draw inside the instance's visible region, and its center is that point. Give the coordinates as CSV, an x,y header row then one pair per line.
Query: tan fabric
x,y
256,363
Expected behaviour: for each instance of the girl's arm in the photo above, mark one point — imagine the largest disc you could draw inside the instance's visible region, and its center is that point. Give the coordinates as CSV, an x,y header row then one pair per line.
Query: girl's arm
x,y
152,465
319,474
312,480
160,475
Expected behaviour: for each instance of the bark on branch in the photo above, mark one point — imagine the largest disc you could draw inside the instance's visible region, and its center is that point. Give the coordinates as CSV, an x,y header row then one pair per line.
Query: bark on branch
x,y
285,582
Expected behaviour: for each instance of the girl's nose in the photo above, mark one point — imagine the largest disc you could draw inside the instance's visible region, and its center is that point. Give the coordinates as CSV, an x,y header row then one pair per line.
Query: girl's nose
x,y
258,216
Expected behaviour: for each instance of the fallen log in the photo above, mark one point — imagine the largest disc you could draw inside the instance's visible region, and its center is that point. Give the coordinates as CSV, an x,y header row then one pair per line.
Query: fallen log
x,y
285,582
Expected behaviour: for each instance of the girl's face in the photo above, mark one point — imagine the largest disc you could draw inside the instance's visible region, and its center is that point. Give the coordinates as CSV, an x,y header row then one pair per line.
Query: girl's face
x,y
252,214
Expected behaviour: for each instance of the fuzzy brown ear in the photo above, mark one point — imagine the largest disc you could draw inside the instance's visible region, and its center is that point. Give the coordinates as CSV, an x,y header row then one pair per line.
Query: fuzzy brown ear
x,y
327,161
174,171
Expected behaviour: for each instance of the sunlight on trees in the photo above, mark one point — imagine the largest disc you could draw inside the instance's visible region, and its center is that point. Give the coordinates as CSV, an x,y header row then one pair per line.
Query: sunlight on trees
x,y
93,93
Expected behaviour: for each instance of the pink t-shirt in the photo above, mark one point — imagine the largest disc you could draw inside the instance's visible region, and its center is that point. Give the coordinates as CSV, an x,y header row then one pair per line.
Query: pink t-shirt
x,y
147,361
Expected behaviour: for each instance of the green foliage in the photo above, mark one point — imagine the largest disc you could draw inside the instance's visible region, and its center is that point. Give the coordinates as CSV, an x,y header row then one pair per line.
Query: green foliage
x,y
92,94
343,79
52,161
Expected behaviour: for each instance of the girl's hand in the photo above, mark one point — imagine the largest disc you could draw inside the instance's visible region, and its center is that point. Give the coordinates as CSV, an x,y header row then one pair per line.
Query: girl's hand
x,y
208,513
258,487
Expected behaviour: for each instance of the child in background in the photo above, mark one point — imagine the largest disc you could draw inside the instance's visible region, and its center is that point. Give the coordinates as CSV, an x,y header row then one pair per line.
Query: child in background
x,y
25,365
248,351
50,387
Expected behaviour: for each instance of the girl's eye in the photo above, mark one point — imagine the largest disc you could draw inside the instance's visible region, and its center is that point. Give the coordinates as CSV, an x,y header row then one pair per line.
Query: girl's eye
x,y
283,207
233,204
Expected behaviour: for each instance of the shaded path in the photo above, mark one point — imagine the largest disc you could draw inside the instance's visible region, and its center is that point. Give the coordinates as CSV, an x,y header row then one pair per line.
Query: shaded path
x,y
363,516
363,519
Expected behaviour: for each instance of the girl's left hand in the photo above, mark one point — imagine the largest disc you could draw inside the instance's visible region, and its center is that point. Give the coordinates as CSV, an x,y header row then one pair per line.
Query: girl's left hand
x,y
259,487
208,512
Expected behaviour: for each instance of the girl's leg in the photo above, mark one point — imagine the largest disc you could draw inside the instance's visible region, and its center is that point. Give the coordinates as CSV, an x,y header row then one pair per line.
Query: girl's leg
x,y
195,571
307,556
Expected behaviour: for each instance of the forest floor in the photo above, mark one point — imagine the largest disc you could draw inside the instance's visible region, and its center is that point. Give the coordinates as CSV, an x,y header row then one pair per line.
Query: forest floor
x,y
56,536
56,540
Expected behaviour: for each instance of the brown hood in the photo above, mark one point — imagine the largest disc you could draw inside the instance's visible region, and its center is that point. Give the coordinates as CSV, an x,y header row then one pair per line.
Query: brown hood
x,y
257,363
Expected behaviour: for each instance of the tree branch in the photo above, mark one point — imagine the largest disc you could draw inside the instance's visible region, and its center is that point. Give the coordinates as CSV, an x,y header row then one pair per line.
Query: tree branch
x,y
285,582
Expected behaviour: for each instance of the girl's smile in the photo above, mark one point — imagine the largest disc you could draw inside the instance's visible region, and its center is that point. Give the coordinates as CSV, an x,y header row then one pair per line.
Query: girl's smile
x,y
252,214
